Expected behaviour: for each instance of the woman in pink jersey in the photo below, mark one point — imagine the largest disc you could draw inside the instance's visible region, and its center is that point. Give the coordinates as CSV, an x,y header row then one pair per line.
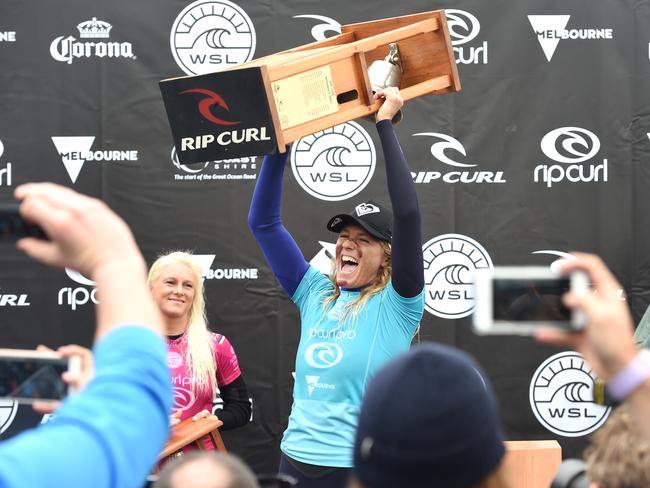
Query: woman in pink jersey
x,y
199,360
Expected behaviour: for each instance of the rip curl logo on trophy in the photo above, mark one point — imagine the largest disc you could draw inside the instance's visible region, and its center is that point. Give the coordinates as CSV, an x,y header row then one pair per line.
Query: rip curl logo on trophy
x,y
279,99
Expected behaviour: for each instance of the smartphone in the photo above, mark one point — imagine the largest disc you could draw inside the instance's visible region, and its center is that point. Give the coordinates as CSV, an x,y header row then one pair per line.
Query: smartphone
x,y
13,226
28,375
520,299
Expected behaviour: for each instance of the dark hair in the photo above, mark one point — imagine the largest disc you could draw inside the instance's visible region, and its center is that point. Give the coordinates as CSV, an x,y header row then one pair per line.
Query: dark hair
x,y
241,475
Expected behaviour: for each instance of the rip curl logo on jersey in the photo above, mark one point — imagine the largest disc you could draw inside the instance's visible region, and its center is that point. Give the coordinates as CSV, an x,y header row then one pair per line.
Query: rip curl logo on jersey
x,y
328,27
322,261
550,29
8,409
183,397
74,297
448,150
571,146
5,173
209,35
449,262
236,169
562,393
75,151
463,28
174,359
209,273
323,355
209,100
334,164
66,49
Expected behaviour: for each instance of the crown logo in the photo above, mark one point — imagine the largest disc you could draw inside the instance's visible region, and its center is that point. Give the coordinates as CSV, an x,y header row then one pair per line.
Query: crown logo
x,y
94,29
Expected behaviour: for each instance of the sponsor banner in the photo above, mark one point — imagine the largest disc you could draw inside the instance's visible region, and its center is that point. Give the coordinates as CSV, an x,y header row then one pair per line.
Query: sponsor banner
x,y
237,169
7,36
209,273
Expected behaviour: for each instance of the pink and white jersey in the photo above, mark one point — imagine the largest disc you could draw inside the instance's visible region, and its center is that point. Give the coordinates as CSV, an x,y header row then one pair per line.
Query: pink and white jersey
x,y
185,398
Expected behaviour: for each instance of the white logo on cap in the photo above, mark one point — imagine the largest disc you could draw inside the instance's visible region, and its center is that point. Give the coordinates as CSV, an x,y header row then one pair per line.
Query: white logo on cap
x,y
366,208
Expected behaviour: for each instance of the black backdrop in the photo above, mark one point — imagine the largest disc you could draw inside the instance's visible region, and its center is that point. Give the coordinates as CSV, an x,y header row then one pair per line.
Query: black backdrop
x,y
557,89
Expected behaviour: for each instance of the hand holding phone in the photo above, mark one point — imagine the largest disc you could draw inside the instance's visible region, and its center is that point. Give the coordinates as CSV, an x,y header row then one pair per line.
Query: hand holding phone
x,y
13,226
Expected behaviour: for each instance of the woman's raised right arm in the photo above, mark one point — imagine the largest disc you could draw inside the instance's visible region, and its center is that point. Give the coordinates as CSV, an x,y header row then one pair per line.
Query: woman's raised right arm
x,y
280,249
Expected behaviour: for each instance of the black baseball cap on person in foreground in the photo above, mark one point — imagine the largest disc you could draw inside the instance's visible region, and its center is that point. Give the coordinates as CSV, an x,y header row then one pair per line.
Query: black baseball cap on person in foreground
x,y
370,216
428,418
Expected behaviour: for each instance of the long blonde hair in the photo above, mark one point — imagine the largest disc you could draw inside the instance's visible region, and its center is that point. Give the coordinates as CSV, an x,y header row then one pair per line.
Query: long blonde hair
x,y
200,354
379,282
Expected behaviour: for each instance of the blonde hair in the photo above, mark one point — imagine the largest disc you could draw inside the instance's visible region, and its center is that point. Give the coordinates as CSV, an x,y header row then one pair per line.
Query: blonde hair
x,y
379,282
200,354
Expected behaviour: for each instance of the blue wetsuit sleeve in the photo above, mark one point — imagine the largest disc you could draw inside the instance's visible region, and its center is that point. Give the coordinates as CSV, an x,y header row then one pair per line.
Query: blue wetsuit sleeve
x,y
280,249
407,260
110,434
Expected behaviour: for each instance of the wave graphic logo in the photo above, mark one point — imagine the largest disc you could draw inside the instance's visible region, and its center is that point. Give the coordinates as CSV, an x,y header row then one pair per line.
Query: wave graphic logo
x,y
323,355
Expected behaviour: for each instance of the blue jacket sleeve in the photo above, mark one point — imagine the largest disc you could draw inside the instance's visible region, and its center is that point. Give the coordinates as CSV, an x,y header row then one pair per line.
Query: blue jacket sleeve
x,y
110,434
280,249
407,259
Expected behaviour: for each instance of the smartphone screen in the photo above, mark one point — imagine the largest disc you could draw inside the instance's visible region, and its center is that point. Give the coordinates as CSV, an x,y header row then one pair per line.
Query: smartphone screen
x,y
30,378
530,300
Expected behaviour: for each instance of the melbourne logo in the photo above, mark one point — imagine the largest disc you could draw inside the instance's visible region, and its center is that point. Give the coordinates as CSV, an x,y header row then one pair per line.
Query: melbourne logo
x,y
562,394
449,263
322,355
209,35
571,146
5,173
209,100
8,409
334,164
80,295
75,151
7,36
326,28
66,49
224,169
441,149
313,384
209,273
463,29
550,29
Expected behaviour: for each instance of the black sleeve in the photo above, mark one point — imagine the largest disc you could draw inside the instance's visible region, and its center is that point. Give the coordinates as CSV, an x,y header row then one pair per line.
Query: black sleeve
x,y
236,404
407,260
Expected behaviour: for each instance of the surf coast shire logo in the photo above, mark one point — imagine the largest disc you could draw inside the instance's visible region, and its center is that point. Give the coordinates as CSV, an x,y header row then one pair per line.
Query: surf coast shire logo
x,y
236,169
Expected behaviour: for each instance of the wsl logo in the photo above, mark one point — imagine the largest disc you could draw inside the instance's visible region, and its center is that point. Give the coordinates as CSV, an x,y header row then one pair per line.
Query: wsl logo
x,y
75,151
570,146
323,355
327,28
463,28
449,263
66,49
5,173
550,29
562,396
440,150
209,35
79,296
334,164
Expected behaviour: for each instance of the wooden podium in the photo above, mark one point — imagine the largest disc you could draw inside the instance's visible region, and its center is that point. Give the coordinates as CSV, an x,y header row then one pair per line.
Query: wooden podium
x,y
193,432
267,103
532,464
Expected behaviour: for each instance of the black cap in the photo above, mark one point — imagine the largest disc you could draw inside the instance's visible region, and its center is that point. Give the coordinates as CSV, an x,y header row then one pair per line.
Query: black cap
x,y
370,216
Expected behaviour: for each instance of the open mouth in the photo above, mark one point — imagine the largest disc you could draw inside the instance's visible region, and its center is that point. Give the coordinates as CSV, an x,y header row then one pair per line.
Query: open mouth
x,y
348,264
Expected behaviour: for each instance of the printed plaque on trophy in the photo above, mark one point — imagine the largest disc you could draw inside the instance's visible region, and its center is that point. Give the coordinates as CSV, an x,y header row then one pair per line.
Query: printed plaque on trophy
x,y
261,106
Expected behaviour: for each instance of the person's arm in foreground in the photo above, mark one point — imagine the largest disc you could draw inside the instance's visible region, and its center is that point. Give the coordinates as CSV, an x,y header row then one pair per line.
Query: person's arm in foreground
x,y
111,433
280,250
607,342
407,261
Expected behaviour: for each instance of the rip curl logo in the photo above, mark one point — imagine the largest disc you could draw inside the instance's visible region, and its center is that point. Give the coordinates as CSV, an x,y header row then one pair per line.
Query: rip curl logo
x,y
550,29
449,262
183,398
570,146
6,172
366,208
463,28
323,355
66,49
443,150
320,31
555,265
174,359
80,295
205,105
334,164
322,261
561,396
209,35
8,409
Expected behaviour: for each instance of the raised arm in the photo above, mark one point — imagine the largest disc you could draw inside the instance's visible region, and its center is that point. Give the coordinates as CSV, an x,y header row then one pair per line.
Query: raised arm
x,y
280,249
408,266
